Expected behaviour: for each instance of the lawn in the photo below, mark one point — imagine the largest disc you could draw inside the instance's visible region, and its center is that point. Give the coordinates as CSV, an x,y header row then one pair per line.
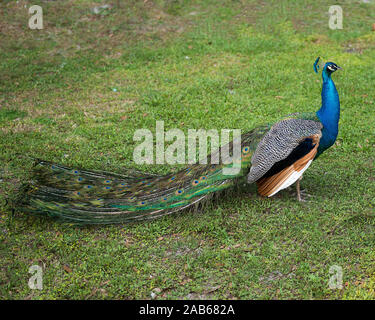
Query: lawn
x,y
75,92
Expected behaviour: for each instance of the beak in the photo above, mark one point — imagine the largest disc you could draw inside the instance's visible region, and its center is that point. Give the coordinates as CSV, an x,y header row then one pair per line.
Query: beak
x,y
339,68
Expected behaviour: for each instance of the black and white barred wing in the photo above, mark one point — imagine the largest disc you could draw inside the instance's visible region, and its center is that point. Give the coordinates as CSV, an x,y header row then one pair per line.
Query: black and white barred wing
x,y
283,154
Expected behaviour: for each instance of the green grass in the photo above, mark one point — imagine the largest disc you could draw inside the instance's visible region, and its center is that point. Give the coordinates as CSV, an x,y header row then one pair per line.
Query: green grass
x,y
192,64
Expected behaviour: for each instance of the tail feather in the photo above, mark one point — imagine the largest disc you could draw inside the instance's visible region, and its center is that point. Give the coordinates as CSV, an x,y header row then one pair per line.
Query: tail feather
x,y
98,197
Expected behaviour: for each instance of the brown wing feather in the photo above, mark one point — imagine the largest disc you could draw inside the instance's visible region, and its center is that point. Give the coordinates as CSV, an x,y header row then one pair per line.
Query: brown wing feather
x,y
269,185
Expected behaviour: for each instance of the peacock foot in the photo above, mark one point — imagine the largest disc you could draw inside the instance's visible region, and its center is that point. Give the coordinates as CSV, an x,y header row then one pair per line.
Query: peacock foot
x,y
302,195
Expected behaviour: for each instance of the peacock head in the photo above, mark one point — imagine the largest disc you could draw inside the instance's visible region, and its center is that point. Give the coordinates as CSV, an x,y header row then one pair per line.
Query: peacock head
x,y
331,67
328,68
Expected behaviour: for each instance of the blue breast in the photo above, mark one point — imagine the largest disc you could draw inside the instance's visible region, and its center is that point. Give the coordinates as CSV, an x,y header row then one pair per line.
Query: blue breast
x,y
328,114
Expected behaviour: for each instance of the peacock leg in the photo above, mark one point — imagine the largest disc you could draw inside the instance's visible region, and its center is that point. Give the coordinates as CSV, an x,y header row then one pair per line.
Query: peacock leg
x,y
299,189
301,193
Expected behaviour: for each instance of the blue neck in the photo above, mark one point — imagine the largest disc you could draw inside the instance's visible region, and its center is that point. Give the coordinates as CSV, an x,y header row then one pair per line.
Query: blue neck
x,y
329,113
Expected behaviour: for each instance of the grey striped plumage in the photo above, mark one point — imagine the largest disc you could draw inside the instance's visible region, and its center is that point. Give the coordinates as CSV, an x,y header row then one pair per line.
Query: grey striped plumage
x,y
279,142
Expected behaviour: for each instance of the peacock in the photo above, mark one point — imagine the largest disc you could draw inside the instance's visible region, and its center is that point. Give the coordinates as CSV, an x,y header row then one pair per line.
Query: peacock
x,y
274,156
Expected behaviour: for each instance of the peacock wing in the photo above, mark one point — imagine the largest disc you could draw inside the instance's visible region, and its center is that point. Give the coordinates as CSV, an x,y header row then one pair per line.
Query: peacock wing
x,y
284,152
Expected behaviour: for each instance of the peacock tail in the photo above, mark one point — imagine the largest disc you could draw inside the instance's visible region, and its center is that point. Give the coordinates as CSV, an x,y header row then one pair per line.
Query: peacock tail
x,y
98,197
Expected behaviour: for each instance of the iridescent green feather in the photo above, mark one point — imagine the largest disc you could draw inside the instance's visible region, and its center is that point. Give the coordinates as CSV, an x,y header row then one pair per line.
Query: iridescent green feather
x,y
94,197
